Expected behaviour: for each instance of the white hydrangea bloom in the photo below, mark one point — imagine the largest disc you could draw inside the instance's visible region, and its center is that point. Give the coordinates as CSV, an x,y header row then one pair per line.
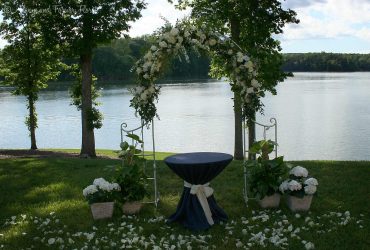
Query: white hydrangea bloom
x,y
310,189
102,184
250,90
255,83
246,58
311,181
239,56
284,186
162,44
212,42
153,48
116,186
294,185
148,55
171,39
151,89
299,171
89,190
139,89
248,64
143,96
174,32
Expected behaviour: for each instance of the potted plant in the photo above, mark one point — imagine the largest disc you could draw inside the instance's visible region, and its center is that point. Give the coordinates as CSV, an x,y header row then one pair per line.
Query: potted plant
x,y
300,189
131,176
101,196
265,175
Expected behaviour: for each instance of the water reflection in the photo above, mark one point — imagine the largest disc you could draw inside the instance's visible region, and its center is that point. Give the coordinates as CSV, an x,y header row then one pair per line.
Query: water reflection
x,y
320,116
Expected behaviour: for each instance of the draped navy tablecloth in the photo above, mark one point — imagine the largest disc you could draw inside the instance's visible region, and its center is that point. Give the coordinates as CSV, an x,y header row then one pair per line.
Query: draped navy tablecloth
x,y
198,169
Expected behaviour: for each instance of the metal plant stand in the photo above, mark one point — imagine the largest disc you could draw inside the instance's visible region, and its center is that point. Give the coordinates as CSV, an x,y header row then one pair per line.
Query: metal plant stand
x,y
151,154
265,128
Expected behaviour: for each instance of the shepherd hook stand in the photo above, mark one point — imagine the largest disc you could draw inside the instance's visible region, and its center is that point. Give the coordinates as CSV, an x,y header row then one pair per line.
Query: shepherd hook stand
x,y
124,132
265,128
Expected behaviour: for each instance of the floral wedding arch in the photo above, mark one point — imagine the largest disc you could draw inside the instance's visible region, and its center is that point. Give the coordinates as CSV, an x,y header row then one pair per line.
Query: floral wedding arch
x,y
174,41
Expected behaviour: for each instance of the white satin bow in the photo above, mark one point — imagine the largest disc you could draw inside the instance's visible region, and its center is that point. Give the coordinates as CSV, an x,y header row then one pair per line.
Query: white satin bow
x,y
202,192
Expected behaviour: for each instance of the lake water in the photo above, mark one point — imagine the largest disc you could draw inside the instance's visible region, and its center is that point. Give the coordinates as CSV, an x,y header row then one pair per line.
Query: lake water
x,y
320,116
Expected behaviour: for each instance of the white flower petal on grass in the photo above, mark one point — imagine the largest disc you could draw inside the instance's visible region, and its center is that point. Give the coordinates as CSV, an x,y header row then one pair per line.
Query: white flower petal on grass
x,y
309,246
239,244
51,241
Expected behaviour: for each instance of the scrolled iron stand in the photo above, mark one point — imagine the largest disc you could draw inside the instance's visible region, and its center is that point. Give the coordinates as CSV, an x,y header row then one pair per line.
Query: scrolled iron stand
x,y
265,127
125,131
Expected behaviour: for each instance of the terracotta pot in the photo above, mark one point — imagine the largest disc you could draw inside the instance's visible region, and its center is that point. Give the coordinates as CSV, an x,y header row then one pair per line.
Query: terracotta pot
x,y
271,201
102,210
132,207
299,204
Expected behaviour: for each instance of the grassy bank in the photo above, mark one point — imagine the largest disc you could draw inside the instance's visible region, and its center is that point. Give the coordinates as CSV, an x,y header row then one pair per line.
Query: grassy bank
x,y
48,193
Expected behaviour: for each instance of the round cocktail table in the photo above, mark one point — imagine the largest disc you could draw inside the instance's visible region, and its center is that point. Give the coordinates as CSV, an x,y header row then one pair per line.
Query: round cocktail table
x,y
197,209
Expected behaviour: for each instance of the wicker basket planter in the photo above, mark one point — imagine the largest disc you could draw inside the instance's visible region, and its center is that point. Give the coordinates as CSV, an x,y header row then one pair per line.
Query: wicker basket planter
x,y
299,204
132,207
102,210
271,201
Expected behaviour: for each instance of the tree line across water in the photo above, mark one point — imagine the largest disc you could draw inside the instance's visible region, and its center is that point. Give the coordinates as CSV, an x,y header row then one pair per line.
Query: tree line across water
x,y
113,62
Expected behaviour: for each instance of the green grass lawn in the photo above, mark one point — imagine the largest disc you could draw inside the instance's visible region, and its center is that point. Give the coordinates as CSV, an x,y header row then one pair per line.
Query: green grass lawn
x,y
48,193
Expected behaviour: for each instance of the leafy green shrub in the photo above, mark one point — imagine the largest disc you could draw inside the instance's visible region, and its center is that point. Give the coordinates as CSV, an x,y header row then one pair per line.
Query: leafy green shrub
x,y
131,176
265,175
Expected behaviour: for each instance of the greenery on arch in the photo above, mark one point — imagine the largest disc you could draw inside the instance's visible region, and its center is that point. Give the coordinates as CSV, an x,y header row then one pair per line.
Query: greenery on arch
x,y
172,41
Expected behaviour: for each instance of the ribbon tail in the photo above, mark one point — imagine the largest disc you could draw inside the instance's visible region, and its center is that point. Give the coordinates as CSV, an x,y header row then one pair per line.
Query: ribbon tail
x,y
204,203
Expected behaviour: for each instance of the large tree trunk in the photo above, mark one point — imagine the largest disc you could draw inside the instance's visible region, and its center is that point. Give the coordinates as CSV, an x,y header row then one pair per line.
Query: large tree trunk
x,y
32,122
238,120
88,139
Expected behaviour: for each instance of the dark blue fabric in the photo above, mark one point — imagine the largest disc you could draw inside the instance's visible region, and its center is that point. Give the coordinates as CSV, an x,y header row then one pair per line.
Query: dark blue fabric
x,y
197,168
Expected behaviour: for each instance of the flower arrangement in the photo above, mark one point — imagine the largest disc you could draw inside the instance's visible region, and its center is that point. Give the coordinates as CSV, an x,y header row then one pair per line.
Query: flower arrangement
x,y
265,175
101,191
299,183
173,41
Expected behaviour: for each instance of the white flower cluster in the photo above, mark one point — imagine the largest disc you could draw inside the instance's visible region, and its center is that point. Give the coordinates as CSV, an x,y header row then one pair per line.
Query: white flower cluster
x,y
300,173
245,75
100,184
310,186
144,93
